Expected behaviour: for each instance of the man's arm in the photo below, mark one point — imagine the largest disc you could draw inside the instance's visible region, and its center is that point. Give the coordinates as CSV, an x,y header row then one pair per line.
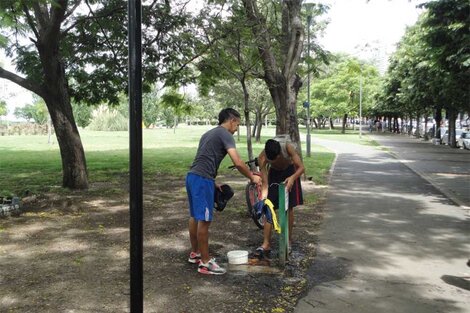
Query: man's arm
x,y
264,174
242,167
298,165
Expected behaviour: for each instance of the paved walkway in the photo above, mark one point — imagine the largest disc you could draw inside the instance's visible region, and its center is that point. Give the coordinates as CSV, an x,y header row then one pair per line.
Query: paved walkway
x,y
445,168
391,240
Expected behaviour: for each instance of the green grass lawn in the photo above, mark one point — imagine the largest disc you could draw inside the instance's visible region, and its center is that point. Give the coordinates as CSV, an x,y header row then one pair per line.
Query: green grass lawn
x,y
351,136
29,163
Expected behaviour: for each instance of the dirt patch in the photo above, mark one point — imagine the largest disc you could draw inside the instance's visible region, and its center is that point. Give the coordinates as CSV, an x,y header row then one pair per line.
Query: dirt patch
x,y
70,253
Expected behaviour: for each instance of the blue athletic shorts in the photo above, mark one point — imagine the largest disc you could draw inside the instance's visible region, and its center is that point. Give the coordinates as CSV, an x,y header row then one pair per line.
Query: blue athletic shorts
x,y
200,196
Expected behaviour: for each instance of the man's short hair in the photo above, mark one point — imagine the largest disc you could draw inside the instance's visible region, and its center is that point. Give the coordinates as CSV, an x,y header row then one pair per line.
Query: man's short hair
x,y
227,114
272,148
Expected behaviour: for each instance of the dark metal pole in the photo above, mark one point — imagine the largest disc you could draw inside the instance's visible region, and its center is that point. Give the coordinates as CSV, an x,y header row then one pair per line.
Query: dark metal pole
x,y
360,106
135,147
309,20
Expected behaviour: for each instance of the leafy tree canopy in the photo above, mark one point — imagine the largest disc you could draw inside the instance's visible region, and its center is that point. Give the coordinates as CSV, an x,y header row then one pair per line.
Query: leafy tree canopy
x,y
36,112
94,44
336,91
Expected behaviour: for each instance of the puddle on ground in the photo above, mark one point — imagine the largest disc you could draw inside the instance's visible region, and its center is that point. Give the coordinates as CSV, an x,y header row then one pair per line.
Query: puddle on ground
x,y
244,269
270,265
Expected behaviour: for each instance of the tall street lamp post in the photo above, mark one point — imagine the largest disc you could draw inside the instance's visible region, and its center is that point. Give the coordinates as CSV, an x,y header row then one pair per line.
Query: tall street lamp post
x,y
135,161
362,48
360,105
309,20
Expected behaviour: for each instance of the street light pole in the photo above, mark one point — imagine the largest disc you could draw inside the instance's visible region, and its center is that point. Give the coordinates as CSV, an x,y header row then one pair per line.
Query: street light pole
x,y
134,10
360,106
309,20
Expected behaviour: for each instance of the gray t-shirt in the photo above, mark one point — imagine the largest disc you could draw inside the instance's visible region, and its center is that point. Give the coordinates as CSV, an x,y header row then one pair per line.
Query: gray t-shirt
x,y
212,149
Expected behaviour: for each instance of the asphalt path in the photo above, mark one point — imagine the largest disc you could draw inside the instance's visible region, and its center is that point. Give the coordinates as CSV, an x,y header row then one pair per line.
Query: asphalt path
x,y
393,240
446,168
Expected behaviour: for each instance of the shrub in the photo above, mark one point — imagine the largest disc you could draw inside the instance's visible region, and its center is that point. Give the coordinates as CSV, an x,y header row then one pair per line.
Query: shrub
x,y
106,119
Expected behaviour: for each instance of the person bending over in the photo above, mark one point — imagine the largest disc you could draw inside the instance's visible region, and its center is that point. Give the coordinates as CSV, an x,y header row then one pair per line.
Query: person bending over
x,y
279,162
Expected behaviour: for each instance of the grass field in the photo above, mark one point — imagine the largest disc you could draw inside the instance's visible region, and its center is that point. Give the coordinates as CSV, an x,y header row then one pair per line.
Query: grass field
x,y
29,163
351,136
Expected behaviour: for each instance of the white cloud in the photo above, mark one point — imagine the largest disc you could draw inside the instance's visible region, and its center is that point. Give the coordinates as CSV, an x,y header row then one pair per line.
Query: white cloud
x,y
379,23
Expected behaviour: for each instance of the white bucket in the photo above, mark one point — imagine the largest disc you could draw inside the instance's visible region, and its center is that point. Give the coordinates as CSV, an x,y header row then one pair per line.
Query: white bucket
x,y
237,257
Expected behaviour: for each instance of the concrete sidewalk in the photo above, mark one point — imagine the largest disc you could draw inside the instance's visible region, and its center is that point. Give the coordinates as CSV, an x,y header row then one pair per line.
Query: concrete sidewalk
x,y
391,241
446,168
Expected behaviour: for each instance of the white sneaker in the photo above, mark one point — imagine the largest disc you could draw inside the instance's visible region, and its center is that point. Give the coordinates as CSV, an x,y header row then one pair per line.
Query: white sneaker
x,y
211,268
194,258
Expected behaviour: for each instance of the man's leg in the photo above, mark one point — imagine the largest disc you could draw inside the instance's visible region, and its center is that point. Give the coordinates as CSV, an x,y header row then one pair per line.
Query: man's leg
x,y
206,267
193,234
203,240
267,236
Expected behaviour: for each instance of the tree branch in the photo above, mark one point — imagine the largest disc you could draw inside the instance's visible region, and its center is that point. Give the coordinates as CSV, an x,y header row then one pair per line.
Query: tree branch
x,y
298,50
106,38
293,51
30,20
40,15
72,9
58,14
23,82
80,20
260,31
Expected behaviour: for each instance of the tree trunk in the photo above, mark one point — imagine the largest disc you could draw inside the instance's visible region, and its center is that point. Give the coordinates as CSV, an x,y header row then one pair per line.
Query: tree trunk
x,y
255,125
278,91
74,169
343,129
418,125
410,126
452,116
314,121
56,96
426,136
438,118
281,79
294,124
246,101
331,124
259,126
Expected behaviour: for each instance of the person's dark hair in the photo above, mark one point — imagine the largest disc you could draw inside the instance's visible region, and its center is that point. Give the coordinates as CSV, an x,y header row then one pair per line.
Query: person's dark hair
x,y
227,114
272,148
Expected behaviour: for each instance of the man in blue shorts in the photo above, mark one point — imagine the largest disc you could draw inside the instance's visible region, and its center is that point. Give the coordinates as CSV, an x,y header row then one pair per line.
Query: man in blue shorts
x,y
279,162
200,186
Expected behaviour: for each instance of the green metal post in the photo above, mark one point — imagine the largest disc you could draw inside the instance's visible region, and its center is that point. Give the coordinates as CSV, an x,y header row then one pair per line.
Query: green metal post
x,y
284,223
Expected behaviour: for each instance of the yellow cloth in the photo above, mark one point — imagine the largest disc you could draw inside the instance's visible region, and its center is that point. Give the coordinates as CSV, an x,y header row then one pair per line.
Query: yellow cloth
x,y
270,205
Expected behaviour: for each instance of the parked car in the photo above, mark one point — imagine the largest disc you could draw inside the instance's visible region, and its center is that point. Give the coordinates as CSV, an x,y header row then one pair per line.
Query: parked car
x,y
458,133
464,141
